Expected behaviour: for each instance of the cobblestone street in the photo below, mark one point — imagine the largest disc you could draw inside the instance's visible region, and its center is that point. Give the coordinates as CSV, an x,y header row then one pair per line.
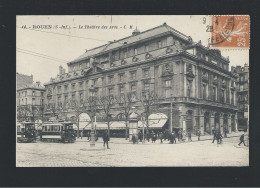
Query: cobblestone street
x,y
124,153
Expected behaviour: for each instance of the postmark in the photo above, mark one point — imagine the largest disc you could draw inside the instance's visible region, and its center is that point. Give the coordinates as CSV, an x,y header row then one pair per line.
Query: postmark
x,y
230,31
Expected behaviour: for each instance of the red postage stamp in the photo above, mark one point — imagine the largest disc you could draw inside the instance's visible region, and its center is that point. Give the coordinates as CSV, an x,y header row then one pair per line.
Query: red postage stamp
x,y
230,31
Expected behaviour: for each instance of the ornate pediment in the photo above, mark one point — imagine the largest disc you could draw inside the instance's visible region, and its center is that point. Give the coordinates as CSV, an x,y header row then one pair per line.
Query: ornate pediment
x,y
169,50
215,82
205,78
123,62
167,73
87,71
99,69
148,56
135,59
190,74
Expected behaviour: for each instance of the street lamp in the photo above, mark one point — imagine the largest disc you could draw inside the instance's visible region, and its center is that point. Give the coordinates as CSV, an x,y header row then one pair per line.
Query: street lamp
x,y
92,133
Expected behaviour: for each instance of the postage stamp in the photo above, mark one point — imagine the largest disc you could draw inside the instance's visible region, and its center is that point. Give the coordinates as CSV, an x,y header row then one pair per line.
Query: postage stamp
x,y
230,31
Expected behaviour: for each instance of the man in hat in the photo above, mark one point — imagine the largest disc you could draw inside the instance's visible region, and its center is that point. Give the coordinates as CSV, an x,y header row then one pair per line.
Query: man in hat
x,y
106,138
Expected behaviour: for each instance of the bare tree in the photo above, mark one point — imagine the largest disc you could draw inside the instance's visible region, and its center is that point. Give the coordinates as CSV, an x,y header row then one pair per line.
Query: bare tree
x,y
78,108
90,107
63,109
106,103
23,113
53,108
126,103
149,101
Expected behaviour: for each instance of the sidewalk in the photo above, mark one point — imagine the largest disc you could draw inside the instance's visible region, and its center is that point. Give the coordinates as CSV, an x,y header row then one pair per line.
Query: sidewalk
x,y
124,141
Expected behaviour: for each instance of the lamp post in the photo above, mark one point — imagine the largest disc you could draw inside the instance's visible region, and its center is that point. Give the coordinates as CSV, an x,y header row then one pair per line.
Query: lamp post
x,y
92,133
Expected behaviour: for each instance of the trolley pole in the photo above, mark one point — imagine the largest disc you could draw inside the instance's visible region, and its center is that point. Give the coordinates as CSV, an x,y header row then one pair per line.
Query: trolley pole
x,y
92,135
143,133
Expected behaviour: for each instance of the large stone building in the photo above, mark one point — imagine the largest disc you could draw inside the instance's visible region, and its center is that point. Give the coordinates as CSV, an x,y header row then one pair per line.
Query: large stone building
x,y
242,94
30,102
194,78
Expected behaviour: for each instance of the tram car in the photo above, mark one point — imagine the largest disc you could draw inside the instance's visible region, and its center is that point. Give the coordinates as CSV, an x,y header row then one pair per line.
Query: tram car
x,y
58,131
26,132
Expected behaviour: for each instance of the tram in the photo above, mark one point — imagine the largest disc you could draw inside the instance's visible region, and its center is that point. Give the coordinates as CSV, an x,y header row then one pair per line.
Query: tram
x,y
26,132
58,131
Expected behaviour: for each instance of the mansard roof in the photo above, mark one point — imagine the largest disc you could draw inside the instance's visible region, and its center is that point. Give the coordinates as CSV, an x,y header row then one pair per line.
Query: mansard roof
x,y
214,52
162,29
32,86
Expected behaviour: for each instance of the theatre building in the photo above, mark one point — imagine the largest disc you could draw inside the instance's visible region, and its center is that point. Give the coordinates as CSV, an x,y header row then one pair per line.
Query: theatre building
x,y
192,78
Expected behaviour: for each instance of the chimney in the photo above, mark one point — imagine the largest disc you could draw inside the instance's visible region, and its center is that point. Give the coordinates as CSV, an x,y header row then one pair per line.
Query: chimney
x,y
91,60
136,32
60,70
38,83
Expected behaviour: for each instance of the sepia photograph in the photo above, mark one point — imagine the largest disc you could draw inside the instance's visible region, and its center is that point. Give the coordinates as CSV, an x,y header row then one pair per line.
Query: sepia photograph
x,y
132,91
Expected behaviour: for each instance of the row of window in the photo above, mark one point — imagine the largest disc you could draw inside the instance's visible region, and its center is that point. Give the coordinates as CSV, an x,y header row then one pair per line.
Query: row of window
x,y
110,79
121,90
214,94
209,59
125,53
24,94
24,102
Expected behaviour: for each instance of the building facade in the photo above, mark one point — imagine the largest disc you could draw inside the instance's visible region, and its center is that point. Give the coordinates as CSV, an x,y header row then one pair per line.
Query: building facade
x,y
30,102
242,94
194,79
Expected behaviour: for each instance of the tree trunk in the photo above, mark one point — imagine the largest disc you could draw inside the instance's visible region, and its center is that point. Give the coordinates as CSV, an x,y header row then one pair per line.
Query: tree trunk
x,y
78,128
108,126
126,124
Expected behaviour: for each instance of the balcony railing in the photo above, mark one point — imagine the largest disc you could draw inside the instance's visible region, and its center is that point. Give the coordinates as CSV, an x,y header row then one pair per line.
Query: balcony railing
x,y
199,101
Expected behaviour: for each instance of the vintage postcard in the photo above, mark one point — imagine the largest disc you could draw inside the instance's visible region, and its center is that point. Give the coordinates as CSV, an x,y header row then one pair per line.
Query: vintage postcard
x,y
132,91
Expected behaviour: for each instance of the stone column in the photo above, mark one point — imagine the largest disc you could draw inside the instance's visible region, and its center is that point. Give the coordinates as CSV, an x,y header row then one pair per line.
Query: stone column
x,y
202,124
236,123
184,75
211,122
229,123
221,122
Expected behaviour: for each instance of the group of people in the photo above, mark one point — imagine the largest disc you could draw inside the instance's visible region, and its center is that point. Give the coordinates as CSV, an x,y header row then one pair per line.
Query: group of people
x,y
163,135
217,136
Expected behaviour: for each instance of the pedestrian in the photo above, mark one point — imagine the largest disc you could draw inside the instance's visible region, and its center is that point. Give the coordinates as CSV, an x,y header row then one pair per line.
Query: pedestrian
x,y
184,135
153,137
106,138
189,135
161,137
214,135
173,137
180,134
140,136
96,136
88,135
134,138
148,135
225,132
81,134
219,137
198,134
242,137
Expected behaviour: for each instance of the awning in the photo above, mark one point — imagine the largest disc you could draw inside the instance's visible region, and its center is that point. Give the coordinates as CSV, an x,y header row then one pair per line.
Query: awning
x,y
156,121
82,125
115,125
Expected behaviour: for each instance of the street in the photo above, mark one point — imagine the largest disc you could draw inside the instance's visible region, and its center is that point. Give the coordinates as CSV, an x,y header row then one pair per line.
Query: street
x,y
126,154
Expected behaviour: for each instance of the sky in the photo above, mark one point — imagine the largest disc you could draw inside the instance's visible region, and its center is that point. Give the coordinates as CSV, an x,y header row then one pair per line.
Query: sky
x,y
34,39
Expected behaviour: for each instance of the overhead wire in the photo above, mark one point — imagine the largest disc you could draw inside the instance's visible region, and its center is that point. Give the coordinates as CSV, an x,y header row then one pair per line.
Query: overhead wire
x,y
21,49
40,56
